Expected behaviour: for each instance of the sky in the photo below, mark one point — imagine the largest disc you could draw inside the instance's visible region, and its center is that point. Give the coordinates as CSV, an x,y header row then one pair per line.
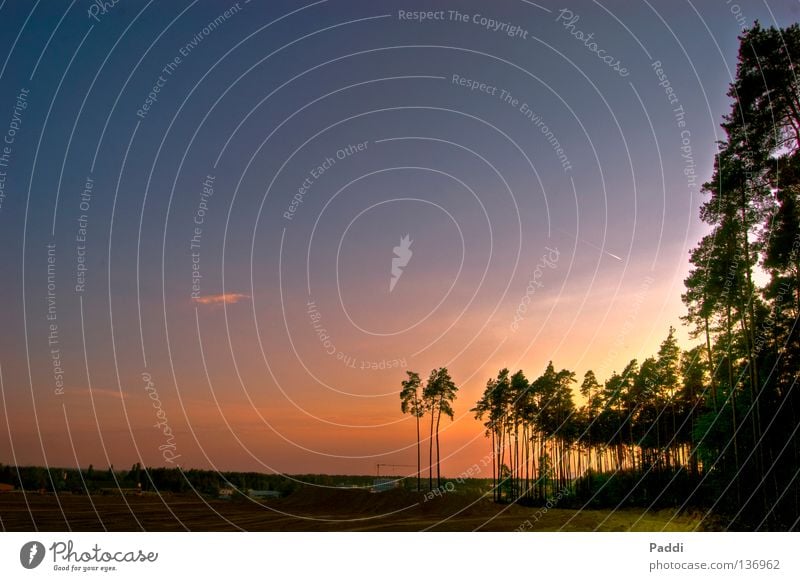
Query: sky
x,y
227,229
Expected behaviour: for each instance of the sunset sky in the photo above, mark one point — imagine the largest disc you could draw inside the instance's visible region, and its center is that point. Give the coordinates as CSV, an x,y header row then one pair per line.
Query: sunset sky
x,y
218,189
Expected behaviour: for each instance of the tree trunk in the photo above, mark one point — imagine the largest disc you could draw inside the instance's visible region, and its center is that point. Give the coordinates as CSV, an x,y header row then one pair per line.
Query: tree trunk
x,y
438,468
494,467
419,457
732,399
430,450
712,373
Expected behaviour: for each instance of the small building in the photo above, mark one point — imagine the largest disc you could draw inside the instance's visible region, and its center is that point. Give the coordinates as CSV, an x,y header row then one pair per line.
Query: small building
x,y
384,484
263,493
6,487
225,493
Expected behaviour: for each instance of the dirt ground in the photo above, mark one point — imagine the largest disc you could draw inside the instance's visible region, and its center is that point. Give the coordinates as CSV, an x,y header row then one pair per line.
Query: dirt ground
x,y
314,509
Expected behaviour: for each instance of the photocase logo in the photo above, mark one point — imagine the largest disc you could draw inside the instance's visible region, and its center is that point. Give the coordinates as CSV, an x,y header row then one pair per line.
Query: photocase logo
x,y
31,554
402,254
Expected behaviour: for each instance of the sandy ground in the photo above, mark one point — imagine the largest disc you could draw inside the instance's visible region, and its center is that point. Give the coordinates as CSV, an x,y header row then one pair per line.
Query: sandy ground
x,y
315,510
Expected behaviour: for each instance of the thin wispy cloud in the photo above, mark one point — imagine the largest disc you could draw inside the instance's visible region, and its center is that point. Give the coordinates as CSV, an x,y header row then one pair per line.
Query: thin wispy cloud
x,y
219,299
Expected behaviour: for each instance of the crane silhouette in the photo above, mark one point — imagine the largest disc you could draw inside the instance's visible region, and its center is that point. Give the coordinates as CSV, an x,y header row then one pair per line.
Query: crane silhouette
x,y
378,471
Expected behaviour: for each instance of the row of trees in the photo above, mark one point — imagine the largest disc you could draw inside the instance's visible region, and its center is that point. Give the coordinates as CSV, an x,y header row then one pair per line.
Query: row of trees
x,y
436,399
160,479
719,422
750,332
722,418
640,421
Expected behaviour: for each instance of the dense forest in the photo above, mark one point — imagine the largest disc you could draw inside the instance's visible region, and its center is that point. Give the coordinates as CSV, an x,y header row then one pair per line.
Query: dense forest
x,y
715,426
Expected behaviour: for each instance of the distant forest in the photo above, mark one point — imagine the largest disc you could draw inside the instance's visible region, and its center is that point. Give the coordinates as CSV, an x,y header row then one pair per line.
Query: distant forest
x,y
163,480
716,426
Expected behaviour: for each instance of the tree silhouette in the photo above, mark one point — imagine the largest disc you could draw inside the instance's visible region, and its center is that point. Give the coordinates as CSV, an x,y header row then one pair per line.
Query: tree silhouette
x,y
715,425
439,393
411,402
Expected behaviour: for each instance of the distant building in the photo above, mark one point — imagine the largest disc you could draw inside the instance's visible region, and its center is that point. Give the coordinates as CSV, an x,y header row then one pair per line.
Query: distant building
x,y
6,487
263,493
384,484
225,493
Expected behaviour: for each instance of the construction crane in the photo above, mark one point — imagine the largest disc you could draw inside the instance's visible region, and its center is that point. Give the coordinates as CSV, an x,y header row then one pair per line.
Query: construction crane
x,y
378,475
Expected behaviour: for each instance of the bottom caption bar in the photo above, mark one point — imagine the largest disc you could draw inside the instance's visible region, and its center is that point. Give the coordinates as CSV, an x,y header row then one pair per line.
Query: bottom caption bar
x,y
356,556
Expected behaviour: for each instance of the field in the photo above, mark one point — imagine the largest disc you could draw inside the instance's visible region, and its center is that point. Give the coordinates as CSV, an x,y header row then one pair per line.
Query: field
x,y
315,509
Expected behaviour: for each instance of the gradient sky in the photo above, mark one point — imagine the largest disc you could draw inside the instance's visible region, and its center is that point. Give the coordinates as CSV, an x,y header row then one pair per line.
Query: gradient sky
x,y
259,102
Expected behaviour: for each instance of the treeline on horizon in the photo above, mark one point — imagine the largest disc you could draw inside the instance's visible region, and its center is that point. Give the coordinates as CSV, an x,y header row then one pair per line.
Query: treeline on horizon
x,y
630,443
162,480
715,426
